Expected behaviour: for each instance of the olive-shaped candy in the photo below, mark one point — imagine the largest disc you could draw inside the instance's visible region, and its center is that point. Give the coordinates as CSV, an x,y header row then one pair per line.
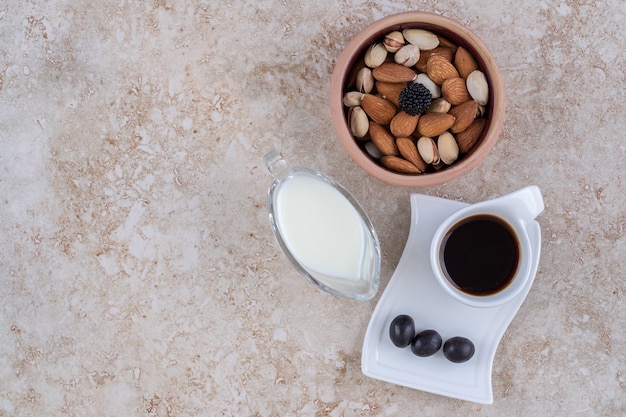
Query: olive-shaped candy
x,y
458,349
426,343
402,330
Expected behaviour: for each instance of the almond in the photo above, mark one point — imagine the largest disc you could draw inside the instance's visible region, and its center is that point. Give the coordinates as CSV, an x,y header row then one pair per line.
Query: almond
x,y
446,43
378,109
464,62
454,91
447,53
408,150
465,114
390,72
383,140
390,91
399,165
440,69
427,149
468,138
403,124
434,124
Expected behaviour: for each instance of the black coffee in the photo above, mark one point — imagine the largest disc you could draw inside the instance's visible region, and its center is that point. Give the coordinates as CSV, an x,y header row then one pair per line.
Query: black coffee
x,y
480,254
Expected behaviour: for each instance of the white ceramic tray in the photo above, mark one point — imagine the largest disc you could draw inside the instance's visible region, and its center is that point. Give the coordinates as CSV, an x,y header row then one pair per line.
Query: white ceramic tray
x,y
413,290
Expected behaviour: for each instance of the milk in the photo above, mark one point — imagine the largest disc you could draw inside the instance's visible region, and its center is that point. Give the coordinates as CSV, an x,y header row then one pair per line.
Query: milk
x,y
322,230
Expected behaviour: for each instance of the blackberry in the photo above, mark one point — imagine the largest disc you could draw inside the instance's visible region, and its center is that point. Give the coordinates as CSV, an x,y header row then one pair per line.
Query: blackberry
x,y
415,99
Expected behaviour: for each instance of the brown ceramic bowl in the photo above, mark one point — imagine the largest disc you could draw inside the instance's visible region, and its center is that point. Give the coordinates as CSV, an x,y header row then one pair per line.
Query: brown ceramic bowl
x,y
451,30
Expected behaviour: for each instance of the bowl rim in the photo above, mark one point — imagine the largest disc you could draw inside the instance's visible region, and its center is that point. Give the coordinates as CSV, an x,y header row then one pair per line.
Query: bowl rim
x,y
437,23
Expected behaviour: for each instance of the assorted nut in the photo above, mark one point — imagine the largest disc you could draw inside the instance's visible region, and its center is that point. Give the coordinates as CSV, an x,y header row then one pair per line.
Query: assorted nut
x,y
430,140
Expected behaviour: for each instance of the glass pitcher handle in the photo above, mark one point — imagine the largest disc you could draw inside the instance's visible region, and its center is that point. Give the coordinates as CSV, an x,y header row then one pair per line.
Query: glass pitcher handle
x,y
276,165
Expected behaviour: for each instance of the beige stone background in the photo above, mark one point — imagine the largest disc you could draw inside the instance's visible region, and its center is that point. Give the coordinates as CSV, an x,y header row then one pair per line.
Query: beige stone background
x,y
138,272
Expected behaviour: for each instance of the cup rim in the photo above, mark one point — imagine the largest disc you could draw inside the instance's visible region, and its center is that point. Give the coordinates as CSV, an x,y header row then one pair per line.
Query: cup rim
x,y
504,295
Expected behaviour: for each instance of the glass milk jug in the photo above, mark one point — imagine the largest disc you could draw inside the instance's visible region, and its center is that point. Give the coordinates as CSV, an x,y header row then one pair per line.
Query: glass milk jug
x,y
322,230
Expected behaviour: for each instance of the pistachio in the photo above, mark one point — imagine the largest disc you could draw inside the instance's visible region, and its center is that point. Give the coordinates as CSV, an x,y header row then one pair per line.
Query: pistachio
x,y
393,41
359,123
352,98
427,149
439,105
375,55
478,87
364,80
426,40
448,148
408,55
425,80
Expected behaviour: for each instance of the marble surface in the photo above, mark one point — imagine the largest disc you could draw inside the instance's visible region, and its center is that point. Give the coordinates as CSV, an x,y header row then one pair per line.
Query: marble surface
x,y
138,272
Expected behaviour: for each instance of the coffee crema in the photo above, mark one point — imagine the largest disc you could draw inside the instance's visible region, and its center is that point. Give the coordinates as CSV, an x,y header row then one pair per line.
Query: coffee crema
x,y
480,254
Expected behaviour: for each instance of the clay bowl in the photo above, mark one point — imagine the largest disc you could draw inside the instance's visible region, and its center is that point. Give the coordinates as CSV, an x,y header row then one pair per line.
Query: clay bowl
x,y
454,32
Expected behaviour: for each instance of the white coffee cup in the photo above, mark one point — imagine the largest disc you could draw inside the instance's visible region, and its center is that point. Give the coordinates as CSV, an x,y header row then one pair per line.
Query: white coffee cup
x,y
508,217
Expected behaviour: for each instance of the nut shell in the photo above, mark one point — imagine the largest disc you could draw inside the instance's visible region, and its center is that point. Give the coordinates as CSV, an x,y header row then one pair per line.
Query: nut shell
x,y
427,149
375,55
407,55
358,121
424,39
448,148
364,80
439,105
394,41
424,79
352,98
